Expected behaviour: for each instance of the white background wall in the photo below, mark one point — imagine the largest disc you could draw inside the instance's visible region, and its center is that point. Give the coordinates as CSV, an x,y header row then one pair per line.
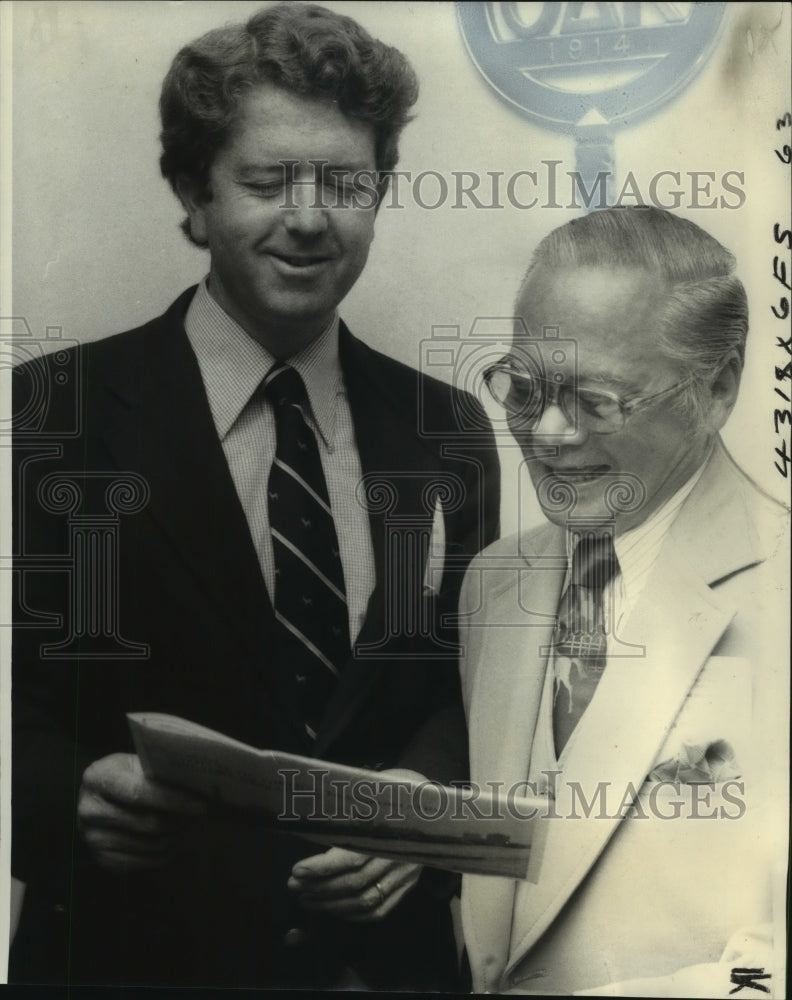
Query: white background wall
x,y
96,244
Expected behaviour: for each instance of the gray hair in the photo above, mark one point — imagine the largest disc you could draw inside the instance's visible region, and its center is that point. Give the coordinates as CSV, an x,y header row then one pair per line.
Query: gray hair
x,y
705,313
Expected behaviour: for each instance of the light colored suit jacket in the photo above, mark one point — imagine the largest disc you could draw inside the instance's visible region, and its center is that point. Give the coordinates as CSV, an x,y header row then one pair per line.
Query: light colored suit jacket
x,y
625,895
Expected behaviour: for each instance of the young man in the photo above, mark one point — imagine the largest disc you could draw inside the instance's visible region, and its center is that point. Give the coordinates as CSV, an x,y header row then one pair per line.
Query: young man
x,y
242,443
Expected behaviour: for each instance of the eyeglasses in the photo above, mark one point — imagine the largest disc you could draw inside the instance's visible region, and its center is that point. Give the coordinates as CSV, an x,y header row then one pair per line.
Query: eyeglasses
x,y
526,396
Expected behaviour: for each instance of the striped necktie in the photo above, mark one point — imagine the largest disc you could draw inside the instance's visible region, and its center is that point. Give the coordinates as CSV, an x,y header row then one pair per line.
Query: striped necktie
x,y
580,643
312,640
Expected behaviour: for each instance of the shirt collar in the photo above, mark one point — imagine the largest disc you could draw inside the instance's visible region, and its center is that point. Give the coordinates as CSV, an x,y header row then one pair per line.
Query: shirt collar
x,y
233,365
638,548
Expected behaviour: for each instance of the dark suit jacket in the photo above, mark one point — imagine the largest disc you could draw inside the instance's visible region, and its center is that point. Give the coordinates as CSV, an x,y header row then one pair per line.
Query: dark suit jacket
x,y
139,589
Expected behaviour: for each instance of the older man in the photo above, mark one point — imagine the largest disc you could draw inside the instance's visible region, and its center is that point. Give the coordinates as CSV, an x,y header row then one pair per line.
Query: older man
x,y
234,443
624,661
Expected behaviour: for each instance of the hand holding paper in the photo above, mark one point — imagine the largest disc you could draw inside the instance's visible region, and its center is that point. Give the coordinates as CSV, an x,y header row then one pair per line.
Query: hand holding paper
x,y
128,821
396,814
352,885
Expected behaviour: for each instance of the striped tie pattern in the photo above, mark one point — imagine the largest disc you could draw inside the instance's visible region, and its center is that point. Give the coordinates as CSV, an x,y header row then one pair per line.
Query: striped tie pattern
x,y
580,642
310,597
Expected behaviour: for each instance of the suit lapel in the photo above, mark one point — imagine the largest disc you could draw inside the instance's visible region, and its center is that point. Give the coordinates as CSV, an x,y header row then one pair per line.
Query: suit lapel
x,y
393,455
677,621
512,661
159,423
389,443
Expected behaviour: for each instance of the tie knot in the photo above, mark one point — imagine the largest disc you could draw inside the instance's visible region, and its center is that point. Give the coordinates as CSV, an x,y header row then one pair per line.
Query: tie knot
x,y
594,562
283,386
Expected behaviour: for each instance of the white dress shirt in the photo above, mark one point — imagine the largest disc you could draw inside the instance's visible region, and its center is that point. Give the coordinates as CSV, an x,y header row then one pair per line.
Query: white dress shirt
x,y
232,367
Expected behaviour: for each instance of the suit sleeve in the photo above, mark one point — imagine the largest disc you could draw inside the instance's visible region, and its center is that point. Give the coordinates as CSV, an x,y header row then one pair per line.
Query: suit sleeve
x,y
47,762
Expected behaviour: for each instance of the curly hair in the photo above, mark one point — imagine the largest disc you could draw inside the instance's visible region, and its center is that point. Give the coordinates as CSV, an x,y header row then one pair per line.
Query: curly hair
x,y
303,48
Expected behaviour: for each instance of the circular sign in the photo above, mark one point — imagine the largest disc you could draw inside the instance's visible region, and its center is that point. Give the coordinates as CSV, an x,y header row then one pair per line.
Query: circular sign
x,y
568,65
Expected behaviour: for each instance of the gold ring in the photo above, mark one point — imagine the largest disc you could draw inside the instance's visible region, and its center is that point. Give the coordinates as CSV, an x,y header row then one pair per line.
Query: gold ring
x,y
378,887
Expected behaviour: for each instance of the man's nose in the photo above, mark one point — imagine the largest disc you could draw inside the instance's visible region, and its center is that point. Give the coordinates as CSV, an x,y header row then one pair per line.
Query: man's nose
x,y
555,427
306,215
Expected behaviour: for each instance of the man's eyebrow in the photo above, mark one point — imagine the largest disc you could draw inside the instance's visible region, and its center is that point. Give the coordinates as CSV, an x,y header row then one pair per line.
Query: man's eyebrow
x,y
352,168
251,171
281,168
605,378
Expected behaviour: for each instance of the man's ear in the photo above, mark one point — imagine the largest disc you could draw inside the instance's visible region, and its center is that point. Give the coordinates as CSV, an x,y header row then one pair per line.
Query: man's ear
x,y
724,389
193,202
382,186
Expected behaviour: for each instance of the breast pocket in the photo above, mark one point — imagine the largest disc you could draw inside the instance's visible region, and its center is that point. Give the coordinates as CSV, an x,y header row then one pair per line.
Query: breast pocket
x,y
710,740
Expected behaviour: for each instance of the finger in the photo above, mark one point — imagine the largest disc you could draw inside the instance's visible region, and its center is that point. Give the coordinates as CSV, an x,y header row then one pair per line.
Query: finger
x,y
94,812
119,778
348,883
332,862
172,801
396,886
369,907
374,900
117,852
116,778
358,904
386,907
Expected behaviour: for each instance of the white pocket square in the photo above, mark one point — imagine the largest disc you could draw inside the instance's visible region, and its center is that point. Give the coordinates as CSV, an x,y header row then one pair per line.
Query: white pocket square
x,y
435,559
699,763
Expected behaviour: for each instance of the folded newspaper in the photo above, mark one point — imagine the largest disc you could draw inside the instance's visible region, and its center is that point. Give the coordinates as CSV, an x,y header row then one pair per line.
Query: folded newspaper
x,y
454,828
